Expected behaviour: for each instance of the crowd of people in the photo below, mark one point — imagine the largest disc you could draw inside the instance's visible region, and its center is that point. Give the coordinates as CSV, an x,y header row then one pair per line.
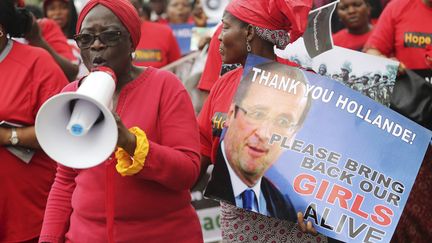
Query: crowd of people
x,y
141,193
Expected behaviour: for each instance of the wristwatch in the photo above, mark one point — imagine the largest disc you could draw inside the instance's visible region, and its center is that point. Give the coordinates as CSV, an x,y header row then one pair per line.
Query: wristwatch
x,y
14,137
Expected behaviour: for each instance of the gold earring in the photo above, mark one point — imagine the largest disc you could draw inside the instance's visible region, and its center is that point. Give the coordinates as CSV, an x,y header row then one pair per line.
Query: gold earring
x,y
248,46
1,33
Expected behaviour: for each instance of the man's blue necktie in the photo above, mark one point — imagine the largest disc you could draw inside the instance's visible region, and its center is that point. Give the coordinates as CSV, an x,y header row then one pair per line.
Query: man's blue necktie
x,y
248,197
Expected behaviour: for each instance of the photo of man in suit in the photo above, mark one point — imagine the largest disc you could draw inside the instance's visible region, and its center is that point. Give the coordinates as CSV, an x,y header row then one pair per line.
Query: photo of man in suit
x,y
259,109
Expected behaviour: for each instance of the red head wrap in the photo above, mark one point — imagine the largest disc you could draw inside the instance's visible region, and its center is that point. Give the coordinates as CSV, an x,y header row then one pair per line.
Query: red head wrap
x,y
123,9
288,15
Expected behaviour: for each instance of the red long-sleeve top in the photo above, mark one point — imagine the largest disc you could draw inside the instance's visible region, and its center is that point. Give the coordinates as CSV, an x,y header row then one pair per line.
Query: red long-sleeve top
x,y
100,205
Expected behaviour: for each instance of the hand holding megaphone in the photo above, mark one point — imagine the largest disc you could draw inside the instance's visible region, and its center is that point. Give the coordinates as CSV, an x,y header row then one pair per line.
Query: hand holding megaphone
x,y
126,139
77,129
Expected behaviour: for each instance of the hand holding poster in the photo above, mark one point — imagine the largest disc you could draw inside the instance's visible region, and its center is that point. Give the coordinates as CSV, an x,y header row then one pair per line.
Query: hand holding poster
x,y
299,142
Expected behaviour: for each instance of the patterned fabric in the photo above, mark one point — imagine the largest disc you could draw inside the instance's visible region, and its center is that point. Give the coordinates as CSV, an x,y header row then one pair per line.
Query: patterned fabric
x,y
415,224
239,225
280,38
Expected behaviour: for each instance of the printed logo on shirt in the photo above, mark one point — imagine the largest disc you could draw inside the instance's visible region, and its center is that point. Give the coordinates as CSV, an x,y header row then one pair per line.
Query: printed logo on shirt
x,y
417,39
148,55
218,123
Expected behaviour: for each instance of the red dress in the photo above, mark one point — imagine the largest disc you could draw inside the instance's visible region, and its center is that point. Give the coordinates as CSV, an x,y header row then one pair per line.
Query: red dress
x,y
100,205
29,76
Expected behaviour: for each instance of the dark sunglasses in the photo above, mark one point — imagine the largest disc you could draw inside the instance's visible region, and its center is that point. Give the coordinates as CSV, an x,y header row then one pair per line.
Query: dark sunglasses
x,y
109,38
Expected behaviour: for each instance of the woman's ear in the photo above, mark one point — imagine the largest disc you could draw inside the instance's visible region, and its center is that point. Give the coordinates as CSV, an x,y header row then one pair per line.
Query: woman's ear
x,y
250,32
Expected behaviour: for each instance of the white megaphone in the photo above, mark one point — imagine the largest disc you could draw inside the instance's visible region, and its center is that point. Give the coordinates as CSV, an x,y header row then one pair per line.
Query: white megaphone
x,y
77,129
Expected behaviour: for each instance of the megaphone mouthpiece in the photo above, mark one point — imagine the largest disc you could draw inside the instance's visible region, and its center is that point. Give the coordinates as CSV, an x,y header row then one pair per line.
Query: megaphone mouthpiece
x,y
83,117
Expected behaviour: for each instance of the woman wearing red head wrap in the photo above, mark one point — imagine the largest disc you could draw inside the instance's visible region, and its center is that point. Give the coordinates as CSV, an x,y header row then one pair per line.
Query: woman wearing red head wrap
x,y
251,27
141,192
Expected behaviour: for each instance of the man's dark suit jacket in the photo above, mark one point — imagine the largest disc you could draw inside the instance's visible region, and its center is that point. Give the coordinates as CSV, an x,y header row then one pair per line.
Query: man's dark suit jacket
x,y
220,188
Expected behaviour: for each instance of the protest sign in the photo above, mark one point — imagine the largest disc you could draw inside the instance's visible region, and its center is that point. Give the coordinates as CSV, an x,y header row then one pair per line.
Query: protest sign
x,y
183,34
302,142
370,75
317,37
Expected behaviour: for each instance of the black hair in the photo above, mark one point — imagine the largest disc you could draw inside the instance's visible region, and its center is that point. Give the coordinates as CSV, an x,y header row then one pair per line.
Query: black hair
x,y
72,21
146,10
35,10
69,31
16,21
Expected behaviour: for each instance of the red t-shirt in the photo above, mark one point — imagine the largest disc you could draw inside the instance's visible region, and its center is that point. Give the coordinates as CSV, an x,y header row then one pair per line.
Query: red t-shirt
x,y
100,205
157,46
213,114
29,76
213,63
404,30
54,36
347,40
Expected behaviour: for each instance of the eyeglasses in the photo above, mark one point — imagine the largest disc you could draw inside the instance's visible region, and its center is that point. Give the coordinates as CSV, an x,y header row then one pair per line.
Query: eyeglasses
x,y
109,38
258,116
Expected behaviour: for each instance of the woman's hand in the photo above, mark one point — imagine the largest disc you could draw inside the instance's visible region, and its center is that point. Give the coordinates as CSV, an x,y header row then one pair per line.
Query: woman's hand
x,y
4,136
305,226
126,140
376,52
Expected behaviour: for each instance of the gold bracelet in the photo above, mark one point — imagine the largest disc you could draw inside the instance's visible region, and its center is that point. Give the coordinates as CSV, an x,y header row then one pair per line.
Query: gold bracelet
x,y
127,165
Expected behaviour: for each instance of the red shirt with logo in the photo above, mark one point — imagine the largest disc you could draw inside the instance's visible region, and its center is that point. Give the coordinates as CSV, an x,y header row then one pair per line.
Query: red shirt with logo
x,y
29,76
403,31
157,46
213,114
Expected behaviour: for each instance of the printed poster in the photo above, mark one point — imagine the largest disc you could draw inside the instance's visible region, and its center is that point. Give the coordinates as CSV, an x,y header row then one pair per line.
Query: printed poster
x,y
370,75
318,36
296,141
183,35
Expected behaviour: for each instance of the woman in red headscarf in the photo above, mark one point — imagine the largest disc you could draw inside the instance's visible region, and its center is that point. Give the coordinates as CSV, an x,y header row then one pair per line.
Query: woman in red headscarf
x,y
251,27
141,192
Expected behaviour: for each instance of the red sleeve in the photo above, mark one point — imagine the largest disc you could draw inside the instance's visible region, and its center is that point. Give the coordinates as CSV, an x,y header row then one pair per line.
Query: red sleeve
x,y
213,63
51,80
54,36
174,160
174,52
71,87
383,36
59,208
